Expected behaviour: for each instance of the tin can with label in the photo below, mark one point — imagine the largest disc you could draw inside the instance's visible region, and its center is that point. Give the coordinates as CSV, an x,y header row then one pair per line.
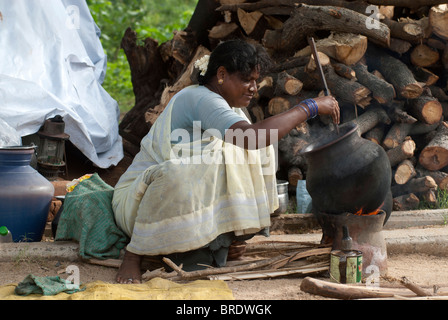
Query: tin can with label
x,y
346,266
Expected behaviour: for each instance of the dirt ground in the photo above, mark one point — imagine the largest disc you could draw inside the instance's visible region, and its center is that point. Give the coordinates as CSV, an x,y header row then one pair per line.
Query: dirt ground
x,y
422,269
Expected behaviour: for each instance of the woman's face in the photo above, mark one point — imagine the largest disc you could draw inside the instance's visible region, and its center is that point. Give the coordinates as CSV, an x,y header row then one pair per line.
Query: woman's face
x,y
239,90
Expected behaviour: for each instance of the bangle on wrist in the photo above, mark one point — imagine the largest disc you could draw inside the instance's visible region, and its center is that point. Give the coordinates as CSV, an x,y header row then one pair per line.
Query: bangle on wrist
x,y
312,107
304,109
313,103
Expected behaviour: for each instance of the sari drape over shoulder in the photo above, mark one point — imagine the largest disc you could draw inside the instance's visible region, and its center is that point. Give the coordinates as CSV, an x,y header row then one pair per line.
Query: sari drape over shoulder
x,y
180,197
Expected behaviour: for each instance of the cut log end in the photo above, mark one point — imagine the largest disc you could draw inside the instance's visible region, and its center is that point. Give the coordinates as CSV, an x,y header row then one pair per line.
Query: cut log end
x,y
405,171
293,86
438,19
435,155
412,91
432,112
278,105
424,56
434,158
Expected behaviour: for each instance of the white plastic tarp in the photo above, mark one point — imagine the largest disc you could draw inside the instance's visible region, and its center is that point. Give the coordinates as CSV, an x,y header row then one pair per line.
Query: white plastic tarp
x,y
53,63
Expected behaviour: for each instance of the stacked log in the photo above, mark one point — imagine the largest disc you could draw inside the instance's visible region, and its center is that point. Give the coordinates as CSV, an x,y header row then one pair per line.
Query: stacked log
x,y
386,62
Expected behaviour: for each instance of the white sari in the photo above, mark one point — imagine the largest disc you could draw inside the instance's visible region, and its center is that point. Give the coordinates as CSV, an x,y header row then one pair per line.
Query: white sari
x,y
168,204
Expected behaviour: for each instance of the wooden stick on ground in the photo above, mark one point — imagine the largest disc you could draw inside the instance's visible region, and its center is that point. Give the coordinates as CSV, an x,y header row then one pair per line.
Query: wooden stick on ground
x,y
360,291
272,263
300,255
414,288
184,275
113,263
340,291
271,273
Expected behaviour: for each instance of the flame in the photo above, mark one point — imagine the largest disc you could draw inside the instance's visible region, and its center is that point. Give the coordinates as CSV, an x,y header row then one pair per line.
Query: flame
x,y
360,212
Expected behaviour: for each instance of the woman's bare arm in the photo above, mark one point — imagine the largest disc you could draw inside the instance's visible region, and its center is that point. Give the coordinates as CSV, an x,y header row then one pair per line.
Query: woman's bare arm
x,y
261,134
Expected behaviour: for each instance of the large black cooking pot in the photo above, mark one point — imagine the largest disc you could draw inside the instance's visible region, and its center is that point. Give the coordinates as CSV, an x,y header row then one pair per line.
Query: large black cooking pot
x,y
347,173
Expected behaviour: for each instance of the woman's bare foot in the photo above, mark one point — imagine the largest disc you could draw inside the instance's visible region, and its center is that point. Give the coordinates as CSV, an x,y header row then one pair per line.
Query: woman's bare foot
x,y
129,271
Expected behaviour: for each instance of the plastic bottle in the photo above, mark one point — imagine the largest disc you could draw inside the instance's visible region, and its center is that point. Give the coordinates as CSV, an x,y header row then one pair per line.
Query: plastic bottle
x,y
5,235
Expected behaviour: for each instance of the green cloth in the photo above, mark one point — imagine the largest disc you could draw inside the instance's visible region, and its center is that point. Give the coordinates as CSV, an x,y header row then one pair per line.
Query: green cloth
x,y
89,219
47,286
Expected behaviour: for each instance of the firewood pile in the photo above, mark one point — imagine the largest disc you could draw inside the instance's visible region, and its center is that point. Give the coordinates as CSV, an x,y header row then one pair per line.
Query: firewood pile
x,y
386,62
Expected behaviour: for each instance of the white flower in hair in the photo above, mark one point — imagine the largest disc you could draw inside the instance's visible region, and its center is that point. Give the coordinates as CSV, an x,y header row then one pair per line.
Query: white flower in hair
x,y
202,64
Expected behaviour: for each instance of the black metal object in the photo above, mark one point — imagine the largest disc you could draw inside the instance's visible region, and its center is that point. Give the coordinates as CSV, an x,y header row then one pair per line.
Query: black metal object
x,y
318,64
321,71
347,173
366,234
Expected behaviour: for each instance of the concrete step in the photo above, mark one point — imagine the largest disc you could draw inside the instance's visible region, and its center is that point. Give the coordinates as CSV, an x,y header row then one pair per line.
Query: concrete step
x,y
299,222
432,240
419,231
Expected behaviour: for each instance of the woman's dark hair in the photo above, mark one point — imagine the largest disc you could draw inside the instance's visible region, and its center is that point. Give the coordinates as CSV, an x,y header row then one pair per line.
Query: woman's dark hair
x,y
236,56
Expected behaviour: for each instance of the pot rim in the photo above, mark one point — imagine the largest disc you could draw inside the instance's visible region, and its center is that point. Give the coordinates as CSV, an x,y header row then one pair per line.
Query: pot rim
x,y
18,148
312,146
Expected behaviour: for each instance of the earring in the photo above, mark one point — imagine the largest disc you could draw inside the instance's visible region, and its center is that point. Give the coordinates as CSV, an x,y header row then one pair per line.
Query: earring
x,y
220,81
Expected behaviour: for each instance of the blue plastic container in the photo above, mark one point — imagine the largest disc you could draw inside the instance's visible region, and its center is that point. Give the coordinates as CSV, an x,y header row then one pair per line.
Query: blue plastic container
x,y
25,195
304,201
